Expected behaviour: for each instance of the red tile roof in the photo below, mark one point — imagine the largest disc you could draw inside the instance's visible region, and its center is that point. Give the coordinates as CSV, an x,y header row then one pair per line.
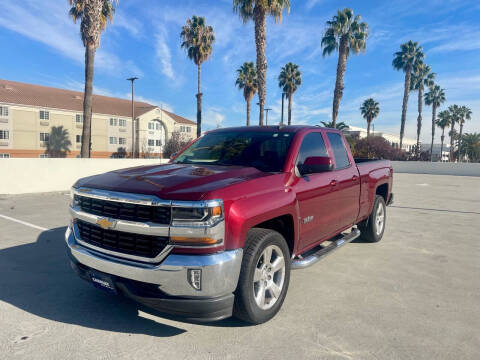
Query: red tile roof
x,y
14,92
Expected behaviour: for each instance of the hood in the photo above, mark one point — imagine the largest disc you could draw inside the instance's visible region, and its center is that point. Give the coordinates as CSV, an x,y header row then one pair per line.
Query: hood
x,y
172,181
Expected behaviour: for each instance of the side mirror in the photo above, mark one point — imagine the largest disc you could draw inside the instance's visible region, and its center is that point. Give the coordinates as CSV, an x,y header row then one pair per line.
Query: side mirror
x,y
315,165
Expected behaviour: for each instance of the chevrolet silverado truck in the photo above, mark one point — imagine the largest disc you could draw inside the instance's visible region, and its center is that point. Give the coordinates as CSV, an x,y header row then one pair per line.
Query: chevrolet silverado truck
x,y
216,231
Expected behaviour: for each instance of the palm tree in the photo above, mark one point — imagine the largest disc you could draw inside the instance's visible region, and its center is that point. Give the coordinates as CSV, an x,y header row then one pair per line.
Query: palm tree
x,y
258,11
443,122
344,33
465,114
289,80
58,144
421,77
93,15
370,111
471,146
247,80
455,116
197,40
435,97
410,53
339,126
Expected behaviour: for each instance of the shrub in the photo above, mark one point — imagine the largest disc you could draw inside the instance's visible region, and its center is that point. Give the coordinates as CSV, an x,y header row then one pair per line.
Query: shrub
x,y
376,147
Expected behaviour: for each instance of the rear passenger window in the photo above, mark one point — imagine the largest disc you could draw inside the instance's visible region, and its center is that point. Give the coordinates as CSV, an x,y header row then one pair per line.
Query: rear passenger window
x,y
312,145
339,151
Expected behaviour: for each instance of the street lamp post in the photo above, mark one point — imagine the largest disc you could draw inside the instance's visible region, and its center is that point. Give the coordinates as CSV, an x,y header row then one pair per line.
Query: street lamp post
x,y
132,79
266,115
283,97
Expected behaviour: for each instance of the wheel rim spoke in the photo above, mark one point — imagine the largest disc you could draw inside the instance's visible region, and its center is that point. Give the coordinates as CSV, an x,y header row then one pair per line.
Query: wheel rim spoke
x,y
257,275
278,264
267,255
275,290
260,298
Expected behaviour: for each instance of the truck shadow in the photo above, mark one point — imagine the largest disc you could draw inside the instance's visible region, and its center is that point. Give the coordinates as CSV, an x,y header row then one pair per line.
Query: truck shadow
x,y
37,278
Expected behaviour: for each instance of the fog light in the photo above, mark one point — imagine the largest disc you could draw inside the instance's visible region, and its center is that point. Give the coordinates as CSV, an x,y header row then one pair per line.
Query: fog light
x,y
195,278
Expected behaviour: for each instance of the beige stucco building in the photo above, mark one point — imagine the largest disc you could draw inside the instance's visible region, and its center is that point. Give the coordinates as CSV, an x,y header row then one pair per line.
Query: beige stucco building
x,y
28,112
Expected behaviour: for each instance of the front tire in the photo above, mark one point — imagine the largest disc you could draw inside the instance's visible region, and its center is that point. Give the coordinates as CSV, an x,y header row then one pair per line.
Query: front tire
x,y
264,276
373,228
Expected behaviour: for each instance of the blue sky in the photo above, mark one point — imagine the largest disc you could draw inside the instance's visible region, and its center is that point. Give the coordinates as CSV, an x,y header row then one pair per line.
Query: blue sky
x,y
40,44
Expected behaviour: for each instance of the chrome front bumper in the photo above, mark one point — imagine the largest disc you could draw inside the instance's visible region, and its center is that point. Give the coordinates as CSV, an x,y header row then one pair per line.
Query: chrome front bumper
x,y
219,277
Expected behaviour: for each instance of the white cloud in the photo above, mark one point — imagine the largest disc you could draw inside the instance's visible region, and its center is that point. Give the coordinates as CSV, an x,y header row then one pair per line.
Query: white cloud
x,y
311,3
213,118
162,52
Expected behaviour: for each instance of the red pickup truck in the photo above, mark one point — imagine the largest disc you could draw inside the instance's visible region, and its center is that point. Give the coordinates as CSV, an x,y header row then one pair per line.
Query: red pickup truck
x,y
216,231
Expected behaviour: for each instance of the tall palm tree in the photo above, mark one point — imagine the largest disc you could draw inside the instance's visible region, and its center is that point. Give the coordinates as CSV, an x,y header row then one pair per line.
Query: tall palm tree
x,y
455,116
339,126
344,33
258,11
422,76
58,144
197,40
443,122
289,80
410,53
247,80
465,114
370,111
93,16
435,97
471,146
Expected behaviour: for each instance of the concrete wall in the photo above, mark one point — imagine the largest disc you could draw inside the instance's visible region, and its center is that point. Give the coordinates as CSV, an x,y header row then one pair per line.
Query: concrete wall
x,y
23,175
436,168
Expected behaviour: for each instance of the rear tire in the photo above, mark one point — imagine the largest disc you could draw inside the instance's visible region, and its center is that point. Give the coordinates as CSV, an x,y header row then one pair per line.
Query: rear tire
x,y
373,228
264,276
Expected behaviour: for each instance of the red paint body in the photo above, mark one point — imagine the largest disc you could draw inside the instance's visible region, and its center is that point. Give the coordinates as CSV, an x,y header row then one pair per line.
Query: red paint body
x,y
336,199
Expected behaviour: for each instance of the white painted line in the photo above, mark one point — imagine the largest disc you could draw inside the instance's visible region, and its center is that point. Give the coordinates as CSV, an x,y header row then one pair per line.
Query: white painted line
x,y
23,222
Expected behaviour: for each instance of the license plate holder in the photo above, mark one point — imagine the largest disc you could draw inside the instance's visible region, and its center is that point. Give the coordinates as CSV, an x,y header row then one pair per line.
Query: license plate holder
x,y
102,281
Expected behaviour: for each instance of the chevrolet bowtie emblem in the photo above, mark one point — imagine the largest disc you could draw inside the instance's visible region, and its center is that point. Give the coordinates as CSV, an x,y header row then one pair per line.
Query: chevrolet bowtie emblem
x,y
105,223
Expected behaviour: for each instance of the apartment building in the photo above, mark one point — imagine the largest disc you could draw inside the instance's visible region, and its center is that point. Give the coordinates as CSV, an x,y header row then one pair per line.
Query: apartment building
x,y
408,144
28,112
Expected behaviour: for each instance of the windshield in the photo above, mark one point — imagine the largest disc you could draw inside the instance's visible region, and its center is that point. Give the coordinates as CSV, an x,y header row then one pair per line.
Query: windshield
x,y
264,150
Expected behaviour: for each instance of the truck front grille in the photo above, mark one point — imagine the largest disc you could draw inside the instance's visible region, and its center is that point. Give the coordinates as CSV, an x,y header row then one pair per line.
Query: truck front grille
x,y
122,242
124,211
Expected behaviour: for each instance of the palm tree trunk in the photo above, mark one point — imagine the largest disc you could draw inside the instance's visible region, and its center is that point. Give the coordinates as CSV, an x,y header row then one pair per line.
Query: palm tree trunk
x,y
87,101
341,66
460,141
406,89
434,117
289,109
419,119
442,138
368,127
261,43
248,111
451,140
199,101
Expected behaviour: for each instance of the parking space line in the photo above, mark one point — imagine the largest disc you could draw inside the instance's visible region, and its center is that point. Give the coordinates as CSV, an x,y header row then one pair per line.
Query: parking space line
x,y
23,223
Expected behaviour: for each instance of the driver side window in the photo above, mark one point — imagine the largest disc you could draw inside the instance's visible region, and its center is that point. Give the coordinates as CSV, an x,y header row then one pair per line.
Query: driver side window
x,y
312,146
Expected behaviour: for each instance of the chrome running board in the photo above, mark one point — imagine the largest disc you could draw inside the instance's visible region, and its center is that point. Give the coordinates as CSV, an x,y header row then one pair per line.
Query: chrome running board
x,y
312,256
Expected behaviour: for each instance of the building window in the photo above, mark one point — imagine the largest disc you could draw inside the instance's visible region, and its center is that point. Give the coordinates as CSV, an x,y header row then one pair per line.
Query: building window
x,y
44,115
157,126
182,128
122,141
158,142
44,136
79,118
44,156
4,156
122,122
113,140
151,142
151,126
189,129
4,135
78,139
3,111
113,122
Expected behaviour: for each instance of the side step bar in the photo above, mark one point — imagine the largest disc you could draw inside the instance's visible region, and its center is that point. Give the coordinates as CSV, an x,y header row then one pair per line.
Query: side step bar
x,y
302,262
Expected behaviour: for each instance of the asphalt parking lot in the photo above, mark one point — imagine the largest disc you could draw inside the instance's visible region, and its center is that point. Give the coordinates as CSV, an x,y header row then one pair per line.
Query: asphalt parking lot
x,y
414,295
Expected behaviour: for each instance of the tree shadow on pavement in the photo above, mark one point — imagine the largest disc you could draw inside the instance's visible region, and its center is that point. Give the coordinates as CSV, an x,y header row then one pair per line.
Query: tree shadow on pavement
x,y
37,278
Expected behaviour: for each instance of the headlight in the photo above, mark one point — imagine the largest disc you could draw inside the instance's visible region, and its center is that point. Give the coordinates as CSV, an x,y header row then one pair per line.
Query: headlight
x,y
206,213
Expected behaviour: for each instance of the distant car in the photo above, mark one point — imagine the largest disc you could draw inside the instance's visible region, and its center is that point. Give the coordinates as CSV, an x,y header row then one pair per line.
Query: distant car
x,y
217,230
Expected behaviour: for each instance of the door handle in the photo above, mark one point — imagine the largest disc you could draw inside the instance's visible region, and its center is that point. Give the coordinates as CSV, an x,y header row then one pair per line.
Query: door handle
x,y
354,178
333,182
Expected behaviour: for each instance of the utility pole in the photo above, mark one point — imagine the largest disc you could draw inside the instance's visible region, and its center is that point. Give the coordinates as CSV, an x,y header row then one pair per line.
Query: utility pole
x,y
283,97
266,115
132,79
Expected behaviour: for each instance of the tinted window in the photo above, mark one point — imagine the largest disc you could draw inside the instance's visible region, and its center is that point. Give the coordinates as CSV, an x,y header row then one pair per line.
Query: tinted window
x,y
339,151
264,150
312,145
